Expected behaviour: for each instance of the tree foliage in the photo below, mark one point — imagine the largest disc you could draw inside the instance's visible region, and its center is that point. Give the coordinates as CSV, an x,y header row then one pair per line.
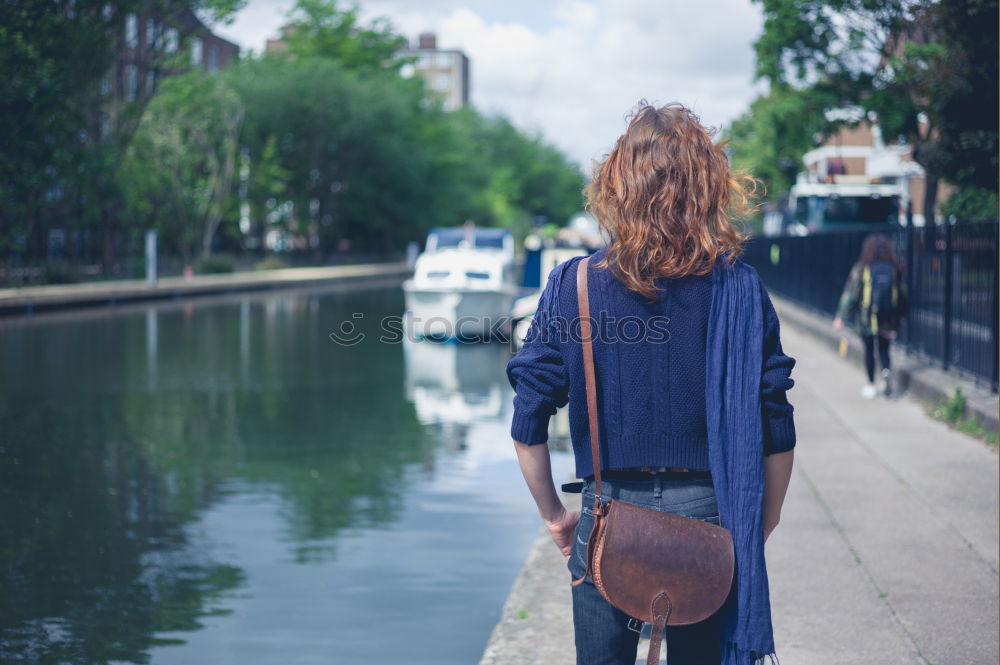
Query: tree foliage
x,y
372,161
368,158
771,137
928,69
319,28
327,142
63,138
190,132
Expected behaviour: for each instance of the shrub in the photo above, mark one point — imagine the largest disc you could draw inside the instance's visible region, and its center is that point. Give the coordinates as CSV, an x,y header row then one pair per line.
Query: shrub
x,y
216,264
270,262
59,272
951,409
971,203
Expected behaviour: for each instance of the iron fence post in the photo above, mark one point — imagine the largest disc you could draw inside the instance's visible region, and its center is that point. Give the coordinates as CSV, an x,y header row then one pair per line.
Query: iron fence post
x,y
948,288
910,280
996,312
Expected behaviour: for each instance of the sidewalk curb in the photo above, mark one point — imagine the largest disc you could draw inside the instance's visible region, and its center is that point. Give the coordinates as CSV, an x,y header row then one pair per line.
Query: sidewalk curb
x,y
536,624
910,374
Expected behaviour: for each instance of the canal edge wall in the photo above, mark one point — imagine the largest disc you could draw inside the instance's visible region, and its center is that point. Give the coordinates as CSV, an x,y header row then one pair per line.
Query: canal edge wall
x,y
536,623
31,299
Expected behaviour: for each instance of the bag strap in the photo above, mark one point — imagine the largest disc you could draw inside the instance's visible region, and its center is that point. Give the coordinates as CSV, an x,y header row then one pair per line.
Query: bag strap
x,y
661,607
590,380
583,299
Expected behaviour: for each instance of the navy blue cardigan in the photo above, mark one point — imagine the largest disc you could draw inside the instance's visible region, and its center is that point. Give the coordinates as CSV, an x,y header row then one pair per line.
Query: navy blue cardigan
x,y
650,366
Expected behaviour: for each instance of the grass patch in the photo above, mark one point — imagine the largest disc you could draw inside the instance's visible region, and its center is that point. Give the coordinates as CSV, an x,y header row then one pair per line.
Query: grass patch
x,y
952,412
952,408
972,427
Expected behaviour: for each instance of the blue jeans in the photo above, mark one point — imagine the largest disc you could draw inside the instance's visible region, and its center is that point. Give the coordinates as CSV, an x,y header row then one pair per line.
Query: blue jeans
x,y
604,634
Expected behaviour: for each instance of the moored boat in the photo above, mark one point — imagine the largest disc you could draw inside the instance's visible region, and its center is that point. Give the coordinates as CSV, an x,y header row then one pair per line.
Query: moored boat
x,y
463,284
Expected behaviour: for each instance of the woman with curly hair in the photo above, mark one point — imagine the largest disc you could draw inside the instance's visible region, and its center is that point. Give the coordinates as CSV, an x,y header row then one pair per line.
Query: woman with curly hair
x,y
690,377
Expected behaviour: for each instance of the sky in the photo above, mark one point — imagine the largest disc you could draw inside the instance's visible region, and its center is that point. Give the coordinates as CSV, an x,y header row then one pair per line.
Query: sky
x,y
572,69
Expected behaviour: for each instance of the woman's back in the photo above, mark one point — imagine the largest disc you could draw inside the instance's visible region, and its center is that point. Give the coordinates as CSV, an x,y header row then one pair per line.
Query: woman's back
x,y
680,343
650,365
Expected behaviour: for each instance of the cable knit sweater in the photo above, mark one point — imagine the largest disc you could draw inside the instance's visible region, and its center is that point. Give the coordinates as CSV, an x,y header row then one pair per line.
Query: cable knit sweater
x,y
650,366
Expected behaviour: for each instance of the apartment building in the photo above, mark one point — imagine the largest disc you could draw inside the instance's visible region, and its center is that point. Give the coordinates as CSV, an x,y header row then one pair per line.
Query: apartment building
x,y
446,71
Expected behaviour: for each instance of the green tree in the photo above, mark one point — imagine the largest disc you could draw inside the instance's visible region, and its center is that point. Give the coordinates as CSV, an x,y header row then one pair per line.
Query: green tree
x,y
190,132
950,70
350,148
928,69
318,28
65,134
263,180
769,140
367,160
371,157
525,177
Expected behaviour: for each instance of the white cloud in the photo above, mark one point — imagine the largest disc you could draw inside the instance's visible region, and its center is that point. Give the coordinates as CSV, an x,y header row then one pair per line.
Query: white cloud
x,y
575,78
572,69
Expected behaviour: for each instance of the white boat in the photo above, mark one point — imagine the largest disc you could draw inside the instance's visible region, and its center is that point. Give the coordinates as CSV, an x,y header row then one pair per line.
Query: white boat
x,y
463,284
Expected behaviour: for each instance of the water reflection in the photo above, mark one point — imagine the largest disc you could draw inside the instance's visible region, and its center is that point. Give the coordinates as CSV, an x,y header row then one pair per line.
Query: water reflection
x,y
190,483
453,385
93,557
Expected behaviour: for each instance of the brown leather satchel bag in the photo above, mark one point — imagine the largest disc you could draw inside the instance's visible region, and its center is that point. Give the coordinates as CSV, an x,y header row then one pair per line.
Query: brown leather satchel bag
x,y
657,567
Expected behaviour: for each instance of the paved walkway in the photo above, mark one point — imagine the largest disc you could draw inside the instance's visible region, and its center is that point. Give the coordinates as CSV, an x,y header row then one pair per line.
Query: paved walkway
x,y
887,551
57,296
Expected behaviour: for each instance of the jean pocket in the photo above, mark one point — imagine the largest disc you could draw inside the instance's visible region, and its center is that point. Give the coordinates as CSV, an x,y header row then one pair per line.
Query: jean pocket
x,y
577,562
706,508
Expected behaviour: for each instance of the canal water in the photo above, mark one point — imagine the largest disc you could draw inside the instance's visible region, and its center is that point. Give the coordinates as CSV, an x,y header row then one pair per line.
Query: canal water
x,y
218,481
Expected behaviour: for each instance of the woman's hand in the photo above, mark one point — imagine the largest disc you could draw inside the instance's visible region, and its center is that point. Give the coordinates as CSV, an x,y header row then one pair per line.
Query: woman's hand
x,y
838,323
537,470
563,529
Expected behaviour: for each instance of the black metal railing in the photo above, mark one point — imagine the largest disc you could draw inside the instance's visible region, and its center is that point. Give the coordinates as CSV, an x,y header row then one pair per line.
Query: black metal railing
x,y
951,276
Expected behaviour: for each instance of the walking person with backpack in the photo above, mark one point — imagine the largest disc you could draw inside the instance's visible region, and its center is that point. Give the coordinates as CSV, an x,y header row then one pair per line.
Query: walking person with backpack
x,y
874,302
666,347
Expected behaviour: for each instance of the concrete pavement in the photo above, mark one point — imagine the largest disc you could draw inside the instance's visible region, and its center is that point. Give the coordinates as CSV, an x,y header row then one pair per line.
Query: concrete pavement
x,y
887,552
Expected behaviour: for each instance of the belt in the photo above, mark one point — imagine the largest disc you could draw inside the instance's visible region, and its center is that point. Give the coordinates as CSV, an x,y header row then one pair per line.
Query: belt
x,y
641,473
648,472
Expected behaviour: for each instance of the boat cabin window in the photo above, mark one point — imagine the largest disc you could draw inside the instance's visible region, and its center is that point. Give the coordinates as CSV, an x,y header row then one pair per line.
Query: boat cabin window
x,y
450,238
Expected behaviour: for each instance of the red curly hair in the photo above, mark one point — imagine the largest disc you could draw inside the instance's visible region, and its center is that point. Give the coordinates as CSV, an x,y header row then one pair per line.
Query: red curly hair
x,y
665,196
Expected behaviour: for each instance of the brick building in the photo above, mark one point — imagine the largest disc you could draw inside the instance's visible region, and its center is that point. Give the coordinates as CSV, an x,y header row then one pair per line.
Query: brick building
x,y
859,155
151,49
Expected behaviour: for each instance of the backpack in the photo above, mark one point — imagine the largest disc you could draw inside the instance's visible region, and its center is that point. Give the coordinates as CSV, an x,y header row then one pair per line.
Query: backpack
x,y
880,291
